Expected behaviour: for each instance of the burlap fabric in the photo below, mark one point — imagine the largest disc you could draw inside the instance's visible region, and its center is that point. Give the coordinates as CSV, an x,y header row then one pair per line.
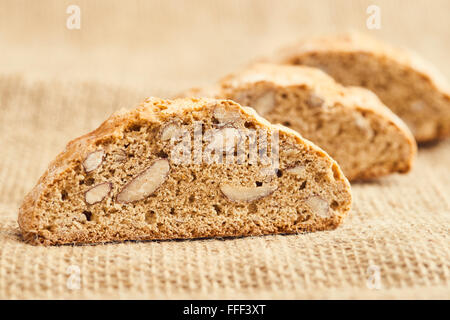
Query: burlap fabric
x,y
395,243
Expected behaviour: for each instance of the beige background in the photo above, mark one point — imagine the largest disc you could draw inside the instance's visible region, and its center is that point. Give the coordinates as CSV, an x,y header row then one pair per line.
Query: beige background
x,y
56,84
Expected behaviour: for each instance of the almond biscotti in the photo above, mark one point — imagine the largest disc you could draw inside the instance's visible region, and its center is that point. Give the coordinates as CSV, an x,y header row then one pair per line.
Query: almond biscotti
x,y
181,169
409,86
350,123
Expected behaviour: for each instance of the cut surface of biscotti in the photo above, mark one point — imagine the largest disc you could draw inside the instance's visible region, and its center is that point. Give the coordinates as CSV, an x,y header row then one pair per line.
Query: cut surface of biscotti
x,y
350,123
182,169
413,89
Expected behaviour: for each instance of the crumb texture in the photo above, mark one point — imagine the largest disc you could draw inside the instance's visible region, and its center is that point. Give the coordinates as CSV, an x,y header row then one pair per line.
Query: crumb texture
x,y
125,180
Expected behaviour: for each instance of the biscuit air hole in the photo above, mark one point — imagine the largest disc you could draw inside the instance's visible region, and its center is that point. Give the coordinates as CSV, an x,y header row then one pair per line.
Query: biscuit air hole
x,y
172,211
318,178
104,141
150,217
217,208
249,125
258,183
334,205
303,185
279,173
319,125
191,198
64,195
302,216
135,127
89,181
252,208
88,215
162,154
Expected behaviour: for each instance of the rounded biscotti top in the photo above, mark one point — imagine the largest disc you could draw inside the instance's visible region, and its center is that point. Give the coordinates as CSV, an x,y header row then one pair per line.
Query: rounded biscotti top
x,y
283,75
357,42
159,112
333,93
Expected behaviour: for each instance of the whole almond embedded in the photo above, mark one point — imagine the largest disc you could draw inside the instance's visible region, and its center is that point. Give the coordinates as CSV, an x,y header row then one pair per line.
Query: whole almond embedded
x,y
144,184
93,160
298,170
265,103
363,125
318,206
225,116
246,194
120,156
291,153
314,101
225,139
97,193
268,171
170,131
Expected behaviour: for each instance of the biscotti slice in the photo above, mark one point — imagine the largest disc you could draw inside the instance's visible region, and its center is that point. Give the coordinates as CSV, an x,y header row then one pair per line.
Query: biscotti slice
x,y
181,169
409,86
350,123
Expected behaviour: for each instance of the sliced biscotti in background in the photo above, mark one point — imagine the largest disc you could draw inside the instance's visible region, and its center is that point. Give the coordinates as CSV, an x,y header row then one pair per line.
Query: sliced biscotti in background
x,y
408,85
350,123
185,168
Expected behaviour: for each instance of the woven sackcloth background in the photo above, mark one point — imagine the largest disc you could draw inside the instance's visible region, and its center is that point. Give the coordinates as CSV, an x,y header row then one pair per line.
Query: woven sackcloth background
x,y
56,84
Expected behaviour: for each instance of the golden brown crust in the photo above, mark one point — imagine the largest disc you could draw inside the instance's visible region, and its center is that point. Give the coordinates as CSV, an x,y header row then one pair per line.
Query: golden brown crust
x,y
358,42
152,110
349,45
